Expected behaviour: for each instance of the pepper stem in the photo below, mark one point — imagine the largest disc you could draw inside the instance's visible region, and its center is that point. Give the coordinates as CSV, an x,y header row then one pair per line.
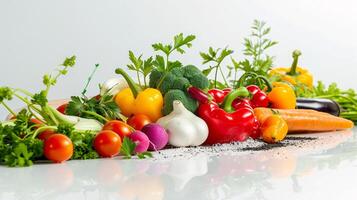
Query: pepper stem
x,y
266,81
244,77
256,77
228,100
293,71
135,89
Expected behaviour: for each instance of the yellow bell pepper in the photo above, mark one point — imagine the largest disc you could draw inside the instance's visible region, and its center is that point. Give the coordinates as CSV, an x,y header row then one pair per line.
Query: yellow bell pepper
x,y
294,74
133,100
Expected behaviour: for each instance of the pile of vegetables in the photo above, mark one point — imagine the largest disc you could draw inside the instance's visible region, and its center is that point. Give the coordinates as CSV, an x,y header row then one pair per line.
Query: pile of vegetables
x,y
174,104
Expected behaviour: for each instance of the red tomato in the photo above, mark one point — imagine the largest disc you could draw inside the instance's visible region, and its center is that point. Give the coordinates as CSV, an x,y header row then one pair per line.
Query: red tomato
x,y
119,127
45,134
62,108
107,143
58,148
139,121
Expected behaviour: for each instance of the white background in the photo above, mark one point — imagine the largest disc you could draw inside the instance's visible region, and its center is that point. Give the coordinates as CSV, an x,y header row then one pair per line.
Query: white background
x,y
37,35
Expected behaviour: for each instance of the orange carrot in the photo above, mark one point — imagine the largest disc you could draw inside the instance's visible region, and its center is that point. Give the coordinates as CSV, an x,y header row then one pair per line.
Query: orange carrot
x,y
303,120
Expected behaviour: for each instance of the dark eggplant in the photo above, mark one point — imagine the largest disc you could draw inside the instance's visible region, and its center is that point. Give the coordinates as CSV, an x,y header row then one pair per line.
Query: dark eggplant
x,y
322,105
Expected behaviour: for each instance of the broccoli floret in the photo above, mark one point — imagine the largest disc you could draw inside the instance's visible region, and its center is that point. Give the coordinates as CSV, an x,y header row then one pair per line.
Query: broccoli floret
x,y
190,70
199,80
180,83
175,83
178,78
178,71
155,76
167,83
180,95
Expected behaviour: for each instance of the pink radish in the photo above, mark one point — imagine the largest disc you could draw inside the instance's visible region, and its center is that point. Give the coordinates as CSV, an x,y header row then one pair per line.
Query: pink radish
x,y
141,140
157,136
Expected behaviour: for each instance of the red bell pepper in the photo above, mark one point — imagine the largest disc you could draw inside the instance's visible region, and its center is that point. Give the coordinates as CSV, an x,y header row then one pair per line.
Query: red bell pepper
x,y
218,95
227,124
259,98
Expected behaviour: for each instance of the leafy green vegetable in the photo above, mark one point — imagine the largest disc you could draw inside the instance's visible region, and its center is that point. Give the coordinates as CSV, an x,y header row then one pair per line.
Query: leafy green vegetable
x,y
128,149
216,56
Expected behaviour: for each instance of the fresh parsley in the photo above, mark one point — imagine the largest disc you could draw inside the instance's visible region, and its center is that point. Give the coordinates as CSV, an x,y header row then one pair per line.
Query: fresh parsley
x,y
140,66
128,149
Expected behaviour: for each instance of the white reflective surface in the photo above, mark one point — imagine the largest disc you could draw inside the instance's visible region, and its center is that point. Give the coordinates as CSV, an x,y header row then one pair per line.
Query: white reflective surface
x,y
327,171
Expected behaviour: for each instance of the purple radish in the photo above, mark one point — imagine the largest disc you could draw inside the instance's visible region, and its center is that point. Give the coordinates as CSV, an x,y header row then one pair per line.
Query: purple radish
x,y
157,136
141,140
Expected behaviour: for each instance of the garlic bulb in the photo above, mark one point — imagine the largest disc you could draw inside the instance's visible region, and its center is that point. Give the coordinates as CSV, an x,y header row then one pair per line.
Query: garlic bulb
x,y
184,128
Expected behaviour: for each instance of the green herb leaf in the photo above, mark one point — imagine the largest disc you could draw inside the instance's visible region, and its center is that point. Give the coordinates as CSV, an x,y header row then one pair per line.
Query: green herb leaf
x,y
127,148
255,48
145,155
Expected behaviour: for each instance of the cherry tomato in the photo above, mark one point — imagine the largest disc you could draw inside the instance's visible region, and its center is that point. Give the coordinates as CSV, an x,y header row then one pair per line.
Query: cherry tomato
x,y
139,121
107,143
119,127
58,148
62,108
45,134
